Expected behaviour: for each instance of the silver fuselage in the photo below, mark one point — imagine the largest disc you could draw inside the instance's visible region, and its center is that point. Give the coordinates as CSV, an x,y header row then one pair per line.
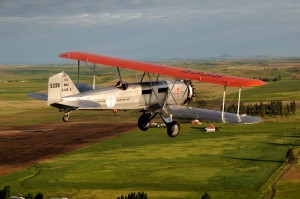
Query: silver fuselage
x,y
140,95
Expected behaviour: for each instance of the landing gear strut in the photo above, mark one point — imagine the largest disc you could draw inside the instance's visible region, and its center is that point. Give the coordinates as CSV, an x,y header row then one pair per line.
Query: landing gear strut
x,y
67,114
66,117
173,127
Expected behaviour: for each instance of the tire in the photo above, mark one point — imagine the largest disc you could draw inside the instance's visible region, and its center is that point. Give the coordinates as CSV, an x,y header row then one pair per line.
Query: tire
x,y
65,118
143,122
173,129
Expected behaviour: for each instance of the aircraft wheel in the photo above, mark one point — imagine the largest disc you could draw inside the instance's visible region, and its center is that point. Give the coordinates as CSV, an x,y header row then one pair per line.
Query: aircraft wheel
x,y
143,122
173,129
65,118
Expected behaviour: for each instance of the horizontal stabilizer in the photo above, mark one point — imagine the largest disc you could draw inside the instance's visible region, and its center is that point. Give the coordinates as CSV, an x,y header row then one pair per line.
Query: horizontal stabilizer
x,y
39,96
78,104
209,115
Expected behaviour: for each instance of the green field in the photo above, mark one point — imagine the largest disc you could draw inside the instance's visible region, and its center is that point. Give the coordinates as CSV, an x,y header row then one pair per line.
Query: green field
x,y
236,162
240,161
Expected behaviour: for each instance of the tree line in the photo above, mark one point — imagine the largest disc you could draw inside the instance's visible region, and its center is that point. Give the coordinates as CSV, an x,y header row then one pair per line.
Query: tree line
x,y
267,79
5,194
273,108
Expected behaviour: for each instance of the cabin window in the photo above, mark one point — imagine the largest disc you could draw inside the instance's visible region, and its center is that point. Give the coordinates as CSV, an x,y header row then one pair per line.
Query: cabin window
x,y
148,91
163,90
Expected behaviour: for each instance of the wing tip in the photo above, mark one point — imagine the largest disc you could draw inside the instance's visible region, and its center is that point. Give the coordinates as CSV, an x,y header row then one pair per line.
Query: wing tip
x,y
256,83
64,55
245,82
69,54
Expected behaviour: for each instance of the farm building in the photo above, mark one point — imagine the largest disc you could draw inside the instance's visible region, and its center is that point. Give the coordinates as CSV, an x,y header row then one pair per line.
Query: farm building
x,y
210,128
196,121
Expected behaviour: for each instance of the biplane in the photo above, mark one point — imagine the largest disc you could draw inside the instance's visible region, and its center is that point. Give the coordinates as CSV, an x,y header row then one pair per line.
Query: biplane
x,y
151,96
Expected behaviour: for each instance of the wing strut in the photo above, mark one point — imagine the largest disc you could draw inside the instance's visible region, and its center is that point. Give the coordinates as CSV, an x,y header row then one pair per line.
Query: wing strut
x,y
119,74
239,101
170,93
157,77
94,80
78,71
136,77
223,105
153,90
143,77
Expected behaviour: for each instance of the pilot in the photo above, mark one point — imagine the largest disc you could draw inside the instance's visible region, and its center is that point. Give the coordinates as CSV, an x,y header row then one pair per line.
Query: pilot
x,y
122,85
119,84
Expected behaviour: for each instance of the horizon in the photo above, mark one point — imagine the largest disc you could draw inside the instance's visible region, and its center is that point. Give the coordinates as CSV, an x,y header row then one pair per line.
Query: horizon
x,y
174,59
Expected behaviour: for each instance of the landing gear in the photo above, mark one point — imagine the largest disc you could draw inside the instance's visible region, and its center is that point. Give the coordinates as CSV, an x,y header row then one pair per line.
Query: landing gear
x,y
67,114
173,129
66,117
143,122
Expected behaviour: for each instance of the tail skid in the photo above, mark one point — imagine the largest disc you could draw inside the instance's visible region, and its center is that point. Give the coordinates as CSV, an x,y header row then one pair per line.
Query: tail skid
x,y
60,85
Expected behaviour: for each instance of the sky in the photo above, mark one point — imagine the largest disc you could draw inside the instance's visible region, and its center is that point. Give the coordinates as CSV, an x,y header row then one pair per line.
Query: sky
x,y
37,31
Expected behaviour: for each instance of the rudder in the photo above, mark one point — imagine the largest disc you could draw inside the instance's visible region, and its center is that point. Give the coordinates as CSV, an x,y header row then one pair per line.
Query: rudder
x,y
60,85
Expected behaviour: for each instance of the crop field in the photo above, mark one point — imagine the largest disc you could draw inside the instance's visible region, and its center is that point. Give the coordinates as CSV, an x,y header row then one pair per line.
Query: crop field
x,y
238,161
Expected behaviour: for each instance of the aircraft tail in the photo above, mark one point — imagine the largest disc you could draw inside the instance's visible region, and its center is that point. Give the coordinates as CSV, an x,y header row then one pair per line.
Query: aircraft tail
x,y
60,85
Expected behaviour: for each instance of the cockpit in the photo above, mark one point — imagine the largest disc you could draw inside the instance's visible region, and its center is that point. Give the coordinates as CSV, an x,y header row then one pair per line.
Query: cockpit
x,y
122,85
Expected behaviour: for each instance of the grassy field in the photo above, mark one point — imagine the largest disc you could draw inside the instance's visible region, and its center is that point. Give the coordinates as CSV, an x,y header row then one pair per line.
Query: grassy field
x,y
240,161
236,162
288,186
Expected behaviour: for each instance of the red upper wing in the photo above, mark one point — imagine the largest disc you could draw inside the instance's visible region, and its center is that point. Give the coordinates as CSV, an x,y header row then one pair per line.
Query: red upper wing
x,y
164,70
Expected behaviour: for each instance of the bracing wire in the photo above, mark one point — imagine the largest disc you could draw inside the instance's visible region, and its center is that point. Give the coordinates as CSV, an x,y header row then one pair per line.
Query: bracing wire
x,y
233,96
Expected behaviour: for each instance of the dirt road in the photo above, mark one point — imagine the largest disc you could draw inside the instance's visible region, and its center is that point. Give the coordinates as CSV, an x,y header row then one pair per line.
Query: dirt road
x,y
23,146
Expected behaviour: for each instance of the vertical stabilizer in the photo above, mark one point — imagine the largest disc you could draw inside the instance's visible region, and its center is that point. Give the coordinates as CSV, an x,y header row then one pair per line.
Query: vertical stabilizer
x,y
60,85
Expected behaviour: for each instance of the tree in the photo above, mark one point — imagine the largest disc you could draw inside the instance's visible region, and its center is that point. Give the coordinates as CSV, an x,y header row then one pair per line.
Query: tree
x,y
39,196
29,196
272,109
6,192
133,195
262,109
206,196
242,108
288,109
293,107
290,156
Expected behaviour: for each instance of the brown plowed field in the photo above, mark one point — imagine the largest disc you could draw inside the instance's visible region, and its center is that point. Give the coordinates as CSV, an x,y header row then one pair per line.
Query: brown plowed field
x,y
24,146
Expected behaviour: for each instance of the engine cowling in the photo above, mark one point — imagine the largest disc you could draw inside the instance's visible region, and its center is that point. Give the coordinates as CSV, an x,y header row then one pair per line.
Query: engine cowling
x,y
190,91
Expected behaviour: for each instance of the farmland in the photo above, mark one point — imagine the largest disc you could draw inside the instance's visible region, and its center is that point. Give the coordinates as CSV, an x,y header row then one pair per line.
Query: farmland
x,y
239,161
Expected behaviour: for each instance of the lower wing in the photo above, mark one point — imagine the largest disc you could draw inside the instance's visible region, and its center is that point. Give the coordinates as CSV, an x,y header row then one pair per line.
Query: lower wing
x,y
209,115
39,96
78,104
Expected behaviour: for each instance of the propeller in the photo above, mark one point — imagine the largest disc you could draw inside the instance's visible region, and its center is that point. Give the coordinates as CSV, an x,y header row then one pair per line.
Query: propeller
x,y
190,91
